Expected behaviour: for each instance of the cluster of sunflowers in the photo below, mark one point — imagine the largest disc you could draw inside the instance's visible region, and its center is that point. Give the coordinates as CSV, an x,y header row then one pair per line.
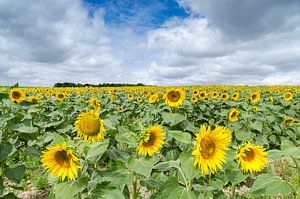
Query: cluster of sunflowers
x,y
209,153
210,145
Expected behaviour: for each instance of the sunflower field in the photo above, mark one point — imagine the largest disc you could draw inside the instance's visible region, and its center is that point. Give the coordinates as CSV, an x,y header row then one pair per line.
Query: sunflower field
x,y
150,142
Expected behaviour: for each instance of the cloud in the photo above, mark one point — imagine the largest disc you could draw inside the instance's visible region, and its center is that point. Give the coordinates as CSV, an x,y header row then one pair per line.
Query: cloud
x,y
204,50
220,42
48,41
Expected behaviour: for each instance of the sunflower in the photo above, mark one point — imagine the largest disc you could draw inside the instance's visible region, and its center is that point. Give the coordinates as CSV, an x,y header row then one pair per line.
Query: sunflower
x,y
95,103
235,96
252,158
288,121
16,95
233,115
210,148
195,92
130,96
89,126
174,97
139,100
152,141
288,96
33,99
215,95
255,108
120,109
194,99
224,96
202,95
60,96
60,161
153,98
254,97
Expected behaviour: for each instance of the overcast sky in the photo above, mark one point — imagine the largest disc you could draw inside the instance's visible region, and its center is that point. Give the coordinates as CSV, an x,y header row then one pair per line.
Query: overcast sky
x,y
161,42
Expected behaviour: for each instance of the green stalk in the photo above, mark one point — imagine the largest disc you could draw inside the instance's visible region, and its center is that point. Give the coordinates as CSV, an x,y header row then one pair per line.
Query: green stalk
x,y
298,178
233,191
134,194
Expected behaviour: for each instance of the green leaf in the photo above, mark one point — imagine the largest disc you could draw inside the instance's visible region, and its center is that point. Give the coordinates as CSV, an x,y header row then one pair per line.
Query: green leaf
x,y
187,166
234,175
243,135
65,190
6,150
126,136
142,166
292,151
256,126
15,174
171,189
270,185
164,166
33,152
96,150
180,136
286,144
105,191
173,118
275,154
151,184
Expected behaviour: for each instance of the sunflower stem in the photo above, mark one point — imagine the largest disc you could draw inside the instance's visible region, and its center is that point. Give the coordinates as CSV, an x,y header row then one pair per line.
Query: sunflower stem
x,y
298,178
233,191
135,193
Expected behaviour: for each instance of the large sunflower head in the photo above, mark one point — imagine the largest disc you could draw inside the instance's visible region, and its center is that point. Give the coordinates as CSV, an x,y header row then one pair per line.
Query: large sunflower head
x,y
288,121
152,141
60,161
89,126
288,96
233,115
210,148
252,158
174,97
254,97
95,103
17,95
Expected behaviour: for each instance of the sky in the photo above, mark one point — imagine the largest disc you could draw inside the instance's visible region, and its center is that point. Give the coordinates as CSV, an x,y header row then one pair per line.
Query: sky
x,y
158,42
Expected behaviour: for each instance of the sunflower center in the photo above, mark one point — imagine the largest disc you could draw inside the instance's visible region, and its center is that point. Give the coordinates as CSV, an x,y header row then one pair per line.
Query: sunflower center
x,y
288,121
249,155
34,100
62,158
60,95
90,125
173,96
16,94
254,97
208,148
202,95
233,115
287,95
150,141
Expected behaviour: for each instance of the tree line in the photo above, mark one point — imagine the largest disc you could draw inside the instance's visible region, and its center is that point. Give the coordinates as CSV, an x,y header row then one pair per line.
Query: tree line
x,y
71,84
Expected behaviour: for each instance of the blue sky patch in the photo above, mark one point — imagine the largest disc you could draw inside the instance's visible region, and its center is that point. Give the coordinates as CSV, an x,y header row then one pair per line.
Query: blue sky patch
x,y
140,14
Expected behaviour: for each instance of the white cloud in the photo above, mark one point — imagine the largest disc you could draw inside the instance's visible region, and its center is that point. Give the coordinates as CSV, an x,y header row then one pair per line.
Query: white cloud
x,y
199,51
